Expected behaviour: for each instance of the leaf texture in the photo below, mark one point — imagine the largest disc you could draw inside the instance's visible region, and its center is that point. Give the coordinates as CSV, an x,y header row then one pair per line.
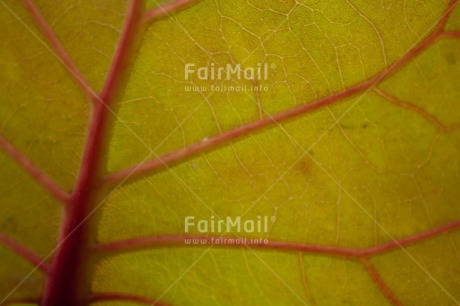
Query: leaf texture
x,y
352,152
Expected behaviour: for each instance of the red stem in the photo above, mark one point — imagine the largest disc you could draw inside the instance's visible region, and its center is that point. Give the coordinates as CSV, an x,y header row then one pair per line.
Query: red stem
x,y
67,283
33,171
24,253
178,241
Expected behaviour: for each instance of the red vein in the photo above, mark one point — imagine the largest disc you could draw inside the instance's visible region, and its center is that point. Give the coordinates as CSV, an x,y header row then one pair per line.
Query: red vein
x,y
60,51
168,9
451,34
91,160
103,297
179,155
213,142
431,118
380,282
412,239
446,15
66,284
24,253
96,131
33,171
139,243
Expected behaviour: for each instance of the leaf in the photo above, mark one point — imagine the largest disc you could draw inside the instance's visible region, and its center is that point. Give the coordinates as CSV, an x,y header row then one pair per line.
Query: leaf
x,y
351,154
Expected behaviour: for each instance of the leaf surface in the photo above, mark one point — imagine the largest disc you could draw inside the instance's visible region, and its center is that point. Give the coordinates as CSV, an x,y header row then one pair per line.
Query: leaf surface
x,y
352,153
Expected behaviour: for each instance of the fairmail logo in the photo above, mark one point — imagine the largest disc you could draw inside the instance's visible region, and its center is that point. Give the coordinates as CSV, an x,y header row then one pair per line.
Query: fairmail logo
x,y
228,225
227,72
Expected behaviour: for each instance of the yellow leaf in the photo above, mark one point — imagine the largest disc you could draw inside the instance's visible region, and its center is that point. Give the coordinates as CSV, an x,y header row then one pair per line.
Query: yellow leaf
x,y
136,135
